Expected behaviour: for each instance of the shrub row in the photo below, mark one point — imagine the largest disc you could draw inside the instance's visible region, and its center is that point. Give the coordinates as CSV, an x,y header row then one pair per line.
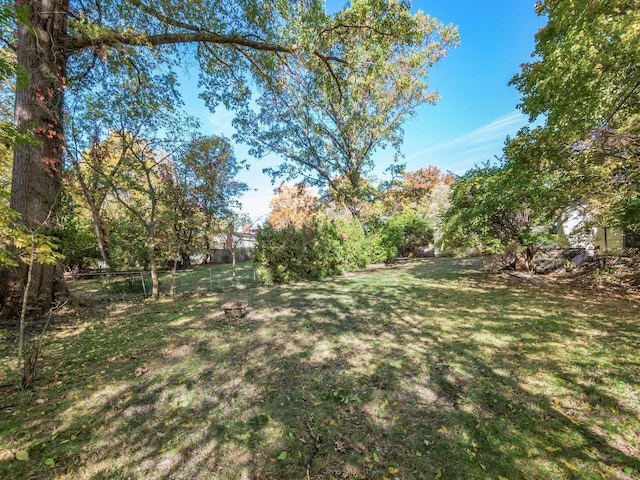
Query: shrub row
x,y
324,248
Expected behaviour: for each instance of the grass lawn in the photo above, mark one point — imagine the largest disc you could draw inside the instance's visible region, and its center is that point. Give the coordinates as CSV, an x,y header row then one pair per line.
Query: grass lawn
x,y
425,370
125,286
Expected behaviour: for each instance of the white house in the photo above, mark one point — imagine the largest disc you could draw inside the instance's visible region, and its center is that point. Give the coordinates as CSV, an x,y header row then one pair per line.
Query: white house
x,y
578,228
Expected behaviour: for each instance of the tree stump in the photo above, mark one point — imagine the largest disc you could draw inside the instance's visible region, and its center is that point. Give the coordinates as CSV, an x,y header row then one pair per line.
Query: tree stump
x,y
235,309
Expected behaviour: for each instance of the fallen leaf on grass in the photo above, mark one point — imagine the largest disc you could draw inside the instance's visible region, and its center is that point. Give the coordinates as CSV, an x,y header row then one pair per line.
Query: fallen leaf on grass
x,y
570,466
443,430
282,456
51,462
552,449
22,455
392,470
376,458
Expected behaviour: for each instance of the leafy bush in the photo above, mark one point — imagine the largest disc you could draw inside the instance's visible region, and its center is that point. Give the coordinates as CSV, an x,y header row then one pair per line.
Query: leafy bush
x,y
292,254
323,249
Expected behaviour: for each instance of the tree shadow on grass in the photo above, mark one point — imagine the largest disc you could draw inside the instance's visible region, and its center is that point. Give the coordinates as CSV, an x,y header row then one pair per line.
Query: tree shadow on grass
x,y
430,370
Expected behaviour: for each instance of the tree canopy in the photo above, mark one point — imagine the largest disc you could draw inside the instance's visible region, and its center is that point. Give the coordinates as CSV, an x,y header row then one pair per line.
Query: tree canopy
x,y
78,57
326,122
584,82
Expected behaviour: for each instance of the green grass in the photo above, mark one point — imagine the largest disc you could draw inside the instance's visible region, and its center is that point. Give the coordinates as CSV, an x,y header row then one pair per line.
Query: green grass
x,y
198,280
430,369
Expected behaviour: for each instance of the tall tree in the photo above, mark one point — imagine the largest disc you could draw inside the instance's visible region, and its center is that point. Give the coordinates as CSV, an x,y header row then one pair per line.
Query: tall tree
x,y
60,44
105,120
503,208
584,82
414,189
202,192
327,123
293,206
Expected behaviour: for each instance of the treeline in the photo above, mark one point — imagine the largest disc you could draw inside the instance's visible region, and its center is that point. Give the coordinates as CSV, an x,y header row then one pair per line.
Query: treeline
x,y
132,204
308,236
581,152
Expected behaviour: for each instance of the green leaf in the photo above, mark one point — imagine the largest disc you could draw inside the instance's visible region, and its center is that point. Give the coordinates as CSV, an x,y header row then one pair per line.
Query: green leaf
x,y
376,458
50,461
22,455
282,456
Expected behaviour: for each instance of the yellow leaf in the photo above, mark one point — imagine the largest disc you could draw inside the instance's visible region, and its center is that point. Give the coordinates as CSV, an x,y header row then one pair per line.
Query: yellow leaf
x,y
530,453
439,473
392,470
443,430
332,422
570,466
552,449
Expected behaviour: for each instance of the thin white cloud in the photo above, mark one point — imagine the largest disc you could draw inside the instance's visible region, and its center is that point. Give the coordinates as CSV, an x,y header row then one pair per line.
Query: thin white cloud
x,y
463,152
219,122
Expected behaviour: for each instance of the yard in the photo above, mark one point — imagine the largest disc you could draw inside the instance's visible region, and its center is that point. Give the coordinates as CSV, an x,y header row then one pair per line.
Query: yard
x,y
423,370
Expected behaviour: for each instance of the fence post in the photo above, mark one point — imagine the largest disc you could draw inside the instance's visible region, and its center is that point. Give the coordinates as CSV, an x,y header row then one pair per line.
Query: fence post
x,y
144,288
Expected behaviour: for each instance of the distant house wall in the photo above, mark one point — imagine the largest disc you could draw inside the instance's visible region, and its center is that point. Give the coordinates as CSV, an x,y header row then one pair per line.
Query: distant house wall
x,y
615,238
574,230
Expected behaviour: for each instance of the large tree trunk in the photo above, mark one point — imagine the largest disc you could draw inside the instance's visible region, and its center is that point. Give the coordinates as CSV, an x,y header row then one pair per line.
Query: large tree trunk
x,y
37,166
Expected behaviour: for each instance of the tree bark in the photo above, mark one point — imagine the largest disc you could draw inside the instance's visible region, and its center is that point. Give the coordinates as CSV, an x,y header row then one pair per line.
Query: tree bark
x,y
155,284
37,166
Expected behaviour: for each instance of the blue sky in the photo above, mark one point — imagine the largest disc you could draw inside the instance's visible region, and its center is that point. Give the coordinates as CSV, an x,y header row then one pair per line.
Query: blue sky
x,y
476,111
